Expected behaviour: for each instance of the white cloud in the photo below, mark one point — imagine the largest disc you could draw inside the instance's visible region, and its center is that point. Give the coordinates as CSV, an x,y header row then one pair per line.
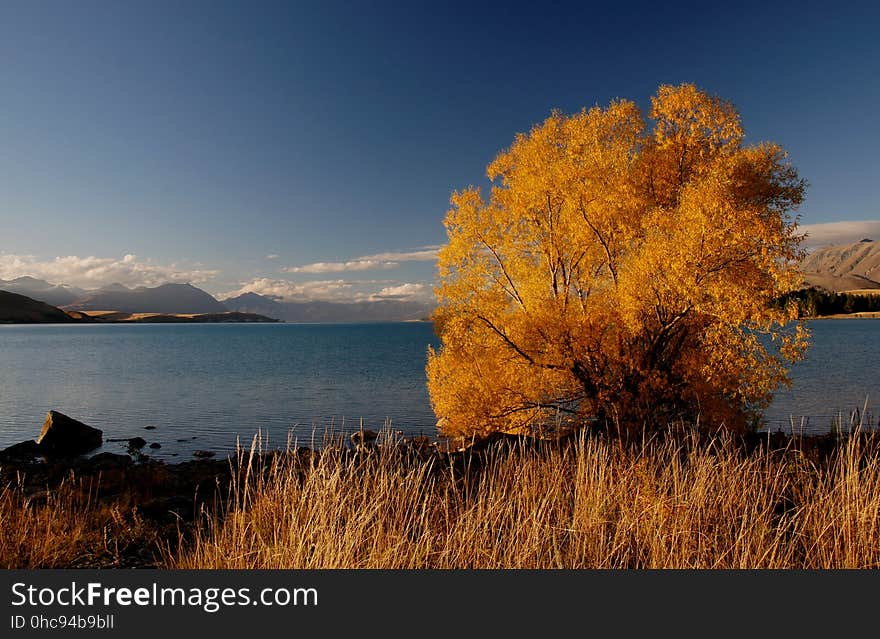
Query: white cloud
x,y
94,272
334,290
407,291
839,232
422,254
340,267
379,261
272,256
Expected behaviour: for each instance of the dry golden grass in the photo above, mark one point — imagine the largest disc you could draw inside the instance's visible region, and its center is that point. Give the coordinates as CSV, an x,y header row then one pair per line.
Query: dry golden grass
x,y
69,527
596,504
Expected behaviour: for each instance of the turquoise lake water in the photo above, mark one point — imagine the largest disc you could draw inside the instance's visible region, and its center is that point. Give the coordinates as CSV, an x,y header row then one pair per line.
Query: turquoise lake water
x,y
204,385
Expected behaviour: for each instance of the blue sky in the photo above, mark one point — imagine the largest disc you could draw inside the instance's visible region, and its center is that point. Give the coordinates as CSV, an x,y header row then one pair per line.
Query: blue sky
x,y
145,142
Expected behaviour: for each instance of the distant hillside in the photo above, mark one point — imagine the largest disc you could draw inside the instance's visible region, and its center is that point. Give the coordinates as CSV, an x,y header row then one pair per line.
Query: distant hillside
x,y
844,267
114,317
167,298
18,309
330,312
254,303
56,295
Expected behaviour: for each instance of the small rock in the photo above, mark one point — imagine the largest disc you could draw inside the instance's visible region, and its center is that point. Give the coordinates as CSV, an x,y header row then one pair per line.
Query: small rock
x,y
136,443
63,435
421,444
155,445
151,427
203,454
364,437
106,461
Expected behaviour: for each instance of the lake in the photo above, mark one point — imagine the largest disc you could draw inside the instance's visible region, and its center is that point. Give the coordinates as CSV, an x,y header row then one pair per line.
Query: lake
x,y
204,385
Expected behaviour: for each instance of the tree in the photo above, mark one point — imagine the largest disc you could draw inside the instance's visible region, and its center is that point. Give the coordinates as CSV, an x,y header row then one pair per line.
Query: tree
x,y
620,270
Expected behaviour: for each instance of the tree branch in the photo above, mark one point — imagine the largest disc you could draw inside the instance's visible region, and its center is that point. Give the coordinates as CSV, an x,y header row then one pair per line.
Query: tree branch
x,y
602,241
521,352
516,294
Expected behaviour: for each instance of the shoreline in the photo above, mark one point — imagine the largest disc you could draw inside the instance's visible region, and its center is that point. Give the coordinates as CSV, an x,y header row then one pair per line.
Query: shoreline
x,y
859,315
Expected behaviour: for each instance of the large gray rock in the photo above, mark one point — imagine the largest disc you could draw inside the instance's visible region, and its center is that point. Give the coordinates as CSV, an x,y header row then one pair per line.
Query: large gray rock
x,y
65,436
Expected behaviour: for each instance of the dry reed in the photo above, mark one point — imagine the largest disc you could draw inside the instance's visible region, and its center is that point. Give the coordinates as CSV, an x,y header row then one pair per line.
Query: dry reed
x,y
595,504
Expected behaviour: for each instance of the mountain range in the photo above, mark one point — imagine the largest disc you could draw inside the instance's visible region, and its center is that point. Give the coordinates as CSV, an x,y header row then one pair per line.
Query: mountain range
x,y
167,298
188,299
840,268
54,294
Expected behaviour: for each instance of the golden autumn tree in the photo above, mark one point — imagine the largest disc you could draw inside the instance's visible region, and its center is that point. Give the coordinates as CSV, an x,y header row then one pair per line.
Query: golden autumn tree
x,y
620,269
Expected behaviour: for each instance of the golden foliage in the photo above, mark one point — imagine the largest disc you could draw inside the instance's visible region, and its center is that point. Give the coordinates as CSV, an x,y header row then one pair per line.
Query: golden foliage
x,y
619,269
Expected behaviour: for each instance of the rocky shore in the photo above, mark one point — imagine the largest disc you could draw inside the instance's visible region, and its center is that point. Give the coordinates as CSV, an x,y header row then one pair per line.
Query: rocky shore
x,y
156,502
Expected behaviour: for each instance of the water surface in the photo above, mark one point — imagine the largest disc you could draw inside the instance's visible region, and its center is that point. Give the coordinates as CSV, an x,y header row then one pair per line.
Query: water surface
x,y
838,376
203,386
207,384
